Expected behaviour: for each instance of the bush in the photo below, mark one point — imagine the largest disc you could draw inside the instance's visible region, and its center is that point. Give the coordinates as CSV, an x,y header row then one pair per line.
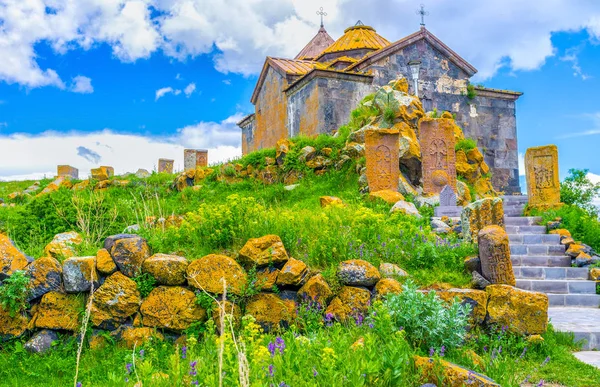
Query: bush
x,y
145,283
582,225
14,293
428,322
465,145
577,189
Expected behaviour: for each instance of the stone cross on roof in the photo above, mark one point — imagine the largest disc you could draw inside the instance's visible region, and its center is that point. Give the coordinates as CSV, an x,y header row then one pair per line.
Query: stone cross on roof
x,y
321,13
423,13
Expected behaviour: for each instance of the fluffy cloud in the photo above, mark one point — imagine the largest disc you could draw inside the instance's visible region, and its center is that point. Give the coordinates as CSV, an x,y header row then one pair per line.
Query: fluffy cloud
x,y
126,152
189,89
164,91
82,85
240,33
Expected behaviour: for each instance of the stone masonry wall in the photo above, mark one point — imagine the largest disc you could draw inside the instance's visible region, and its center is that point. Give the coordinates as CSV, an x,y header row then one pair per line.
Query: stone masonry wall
x,y
271,112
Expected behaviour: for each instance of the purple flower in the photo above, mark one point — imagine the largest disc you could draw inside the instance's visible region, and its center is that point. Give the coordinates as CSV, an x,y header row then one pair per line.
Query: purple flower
x,y
431,351
485,348
271,370
359,319
280,344
126,380
142,353
315,373
78,384
282,384
193,368
546,361
128,367
523,353
371,325
541,383
183,352
272,348
442,350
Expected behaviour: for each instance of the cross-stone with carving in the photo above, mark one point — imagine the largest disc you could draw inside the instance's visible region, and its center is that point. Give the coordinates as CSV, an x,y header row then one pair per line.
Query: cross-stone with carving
x,y
541,170
382,152
438,158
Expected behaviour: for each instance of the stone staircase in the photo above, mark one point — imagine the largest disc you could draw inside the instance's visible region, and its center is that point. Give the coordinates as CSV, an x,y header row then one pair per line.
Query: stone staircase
x,y
540,264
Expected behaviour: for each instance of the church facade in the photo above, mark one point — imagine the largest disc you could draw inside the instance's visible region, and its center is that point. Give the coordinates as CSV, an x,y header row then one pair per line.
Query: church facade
x,y
316,91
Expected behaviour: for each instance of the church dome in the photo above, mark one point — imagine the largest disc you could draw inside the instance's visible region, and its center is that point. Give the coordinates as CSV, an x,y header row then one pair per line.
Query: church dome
x,y
358,37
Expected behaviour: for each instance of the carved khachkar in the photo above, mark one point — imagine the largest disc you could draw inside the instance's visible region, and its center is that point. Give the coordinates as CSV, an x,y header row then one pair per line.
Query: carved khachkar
x,y
165,166
202,158
541,170
438,160
381,151
494,253
67,170
193,158
480,214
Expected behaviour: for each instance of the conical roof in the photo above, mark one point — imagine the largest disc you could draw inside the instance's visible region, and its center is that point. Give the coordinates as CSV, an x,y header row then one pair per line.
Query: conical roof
x,y
315,47
358,37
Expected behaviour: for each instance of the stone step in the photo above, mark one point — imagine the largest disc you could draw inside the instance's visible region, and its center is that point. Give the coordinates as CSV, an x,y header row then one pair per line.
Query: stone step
x,y
537,249
552,273
558,286
522,220
514,198
513,213
525,229
513,206
582,321
534,239
541,260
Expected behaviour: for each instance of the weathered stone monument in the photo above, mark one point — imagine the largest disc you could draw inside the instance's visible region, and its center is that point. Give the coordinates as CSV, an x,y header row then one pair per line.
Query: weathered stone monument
x,y
102,173
437,151
165,165
448,205
541,170
494,253
193,158
381,151
480,214
67,170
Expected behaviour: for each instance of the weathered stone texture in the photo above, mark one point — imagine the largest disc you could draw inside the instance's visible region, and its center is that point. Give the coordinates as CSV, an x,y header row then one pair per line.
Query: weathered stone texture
x,y
381,150
479,214
165,166
67,170
541,171
494,252
438,158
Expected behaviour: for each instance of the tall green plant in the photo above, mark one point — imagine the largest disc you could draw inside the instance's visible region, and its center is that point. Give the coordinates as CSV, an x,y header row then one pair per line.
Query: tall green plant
x,y
14,293
579,190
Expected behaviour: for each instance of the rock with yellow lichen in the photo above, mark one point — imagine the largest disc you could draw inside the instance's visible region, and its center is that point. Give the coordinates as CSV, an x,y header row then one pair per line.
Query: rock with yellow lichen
x,y
292,273
271,311
327,201
230,312
357,272
212,272
463,197
263,251
266,278
12,325
316,290
523,312
387,286
480,214
129,254
351,302
476,299
390,270
62,181
11,258
59,311
388,196
82,185
449,374
564,233
63,245
166,269
104,262
79,273
116,300
494,252
171,307
595,274
131,337
45,275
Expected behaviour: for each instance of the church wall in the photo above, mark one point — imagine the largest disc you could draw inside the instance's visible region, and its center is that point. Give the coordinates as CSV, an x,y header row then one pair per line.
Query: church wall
x,y
303,110
443,86
271,112
248,136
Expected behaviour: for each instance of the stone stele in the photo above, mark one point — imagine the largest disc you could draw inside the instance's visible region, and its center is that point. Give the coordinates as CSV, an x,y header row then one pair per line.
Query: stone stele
x,y
381,150
193,158
67,170
165,165
202,158
494,253
438,160
480,214
541,169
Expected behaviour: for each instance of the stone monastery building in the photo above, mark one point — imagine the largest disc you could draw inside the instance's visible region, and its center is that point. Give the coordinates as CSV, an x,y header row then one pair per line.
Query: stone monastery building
x,y
316,91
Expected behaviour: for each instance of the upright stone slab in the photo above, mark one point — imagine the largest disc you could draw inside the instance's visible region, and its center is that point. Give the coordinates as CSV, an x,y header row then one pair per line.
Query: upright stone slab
x,y
165,166
110,171
494,253
67,170
193,158
202,158
480,214
438,160
448,205
381,150
541,170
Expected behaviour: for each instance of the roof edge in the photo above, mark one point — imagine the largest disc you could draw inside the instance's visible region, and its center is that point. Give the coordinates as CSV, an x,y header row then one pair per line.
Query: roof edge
x,y
245,119
498,93
326,73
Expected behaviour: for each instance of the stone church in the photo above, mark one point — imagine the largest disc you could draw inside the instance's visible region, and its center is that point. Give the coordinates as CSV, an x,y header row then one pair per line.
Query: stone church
x,y
316,91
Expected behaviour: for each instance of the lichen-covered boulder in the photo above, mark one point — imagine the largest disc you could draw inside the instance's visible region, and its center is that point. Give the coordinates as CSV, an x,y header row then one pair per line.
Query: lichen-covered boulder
x,y
577,248
129,254
131,337
522,311
271,311
595,274
263,251
452,375
390,270
351,302
166,269
41,342
45,275
476,299
78,274
405,207
356,272
564,233
63,245
327,201
109,242
226,309
316,290
292,273
171,307
387,286
12,326
266,278
11,258
117,299
388,196
59,311
463,196
105,263
208,274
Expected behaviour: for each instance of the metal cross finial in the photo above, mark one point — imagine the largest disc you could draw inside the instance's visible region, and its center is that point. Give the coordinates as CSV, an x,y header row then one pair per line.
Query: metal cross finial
x,y
321,13
423,13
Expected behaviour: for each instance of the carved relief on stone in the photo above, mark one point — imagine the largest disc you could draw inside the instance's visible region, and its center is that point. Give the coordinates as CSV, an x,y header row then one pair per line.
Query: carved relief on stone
x,y
381,151
165,166
480,214
541,170
438,158
494,253
202,158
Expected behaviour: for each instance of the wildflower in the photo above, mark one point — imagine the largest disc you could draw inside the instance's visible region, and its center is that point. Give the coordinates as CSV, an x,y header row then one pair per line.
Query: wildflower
x,y
541,383
315,373
282,384
546,361
193,368
142,353
359,319
272,348
523,353
128,367
431,352
280,344
78,384
371,325
329,319
183,352
271,370
442,350
485,348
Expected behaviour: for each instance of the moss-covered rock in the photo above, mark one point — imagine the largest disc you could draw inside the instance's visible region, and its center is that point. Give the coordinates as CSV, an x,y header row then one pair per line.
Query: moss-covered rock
x,y
171,307
351,302
135,337
271,311
476,299
59,311
79,273
263,251
357,272
166,269
292,273
388,196
63,245
327,201
522,311
208,274
45,275
387,286
104,262
11,258
266,278
452,375
116,300
129,254
315,289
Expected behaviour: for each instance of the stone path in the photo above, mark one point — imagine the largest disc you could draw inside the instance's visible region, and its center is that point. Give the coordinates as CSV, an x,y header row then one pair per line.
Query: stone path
x,y
540,264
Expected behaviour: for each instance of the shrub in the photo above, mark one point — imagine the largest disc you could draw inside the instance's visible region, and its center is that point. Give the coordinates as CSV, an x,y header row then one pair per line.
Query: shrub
x,y
428,322
577,189
583,226
471,93
465,145
145,283
14,293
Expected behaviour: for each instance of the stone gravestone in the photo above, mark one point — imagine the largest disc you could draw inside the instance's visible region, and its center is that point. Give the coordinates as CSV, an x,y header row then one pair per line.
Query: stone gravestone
x,y
480,214
448,205
541,169
381,151
193,158
67,170
165,166
438,160
494,253
202,158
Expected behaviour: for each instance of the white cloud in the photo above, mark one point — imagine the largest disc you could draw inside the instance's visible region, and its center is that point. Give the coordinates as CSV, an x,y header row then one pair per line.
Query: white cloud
x,y
164,91
521,164
571,55
189,89
227,81
125,152
82,85
594,130
240,33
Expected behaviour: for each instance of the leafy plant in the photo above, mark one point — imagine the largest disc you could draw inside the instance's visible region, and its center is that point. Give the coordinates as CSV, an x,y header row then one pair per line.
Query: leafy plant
x,y
577,189
205,301
145,283
471,92
14,292
465,145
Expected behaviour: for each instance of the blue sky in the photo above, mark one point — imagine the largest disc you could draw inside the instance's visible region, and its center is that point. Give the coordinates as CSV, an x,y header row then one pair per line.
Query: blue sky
x,y
125,82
